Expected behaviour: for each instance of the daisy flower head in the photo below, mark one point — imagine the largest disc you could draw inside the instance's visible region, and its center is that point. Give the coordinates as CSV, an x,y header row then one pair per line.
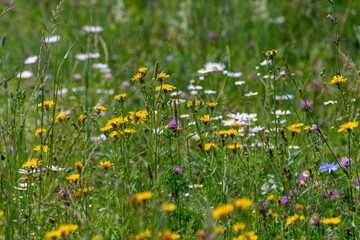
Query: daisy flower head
x,y
238,83
52,39
214,67
338,79
25,75
347,127
329,102
251,94
31,60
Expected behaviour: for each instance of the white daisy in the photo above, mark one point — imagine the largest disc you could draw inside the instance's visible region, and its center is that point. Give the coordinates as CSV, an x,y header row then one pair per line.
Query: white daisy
x,y
92,29
281,113
330,102
284,97
210,91
265,62
214,67
52,39
184,115
293,147
25,75
235,74
194,87
31,60
237,83
251,94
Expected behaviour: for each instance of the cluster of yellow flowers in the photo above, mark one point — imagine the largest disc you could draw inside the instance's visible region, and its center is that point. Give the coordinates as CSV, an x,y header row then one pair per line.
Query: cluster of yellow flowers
x,y
63,230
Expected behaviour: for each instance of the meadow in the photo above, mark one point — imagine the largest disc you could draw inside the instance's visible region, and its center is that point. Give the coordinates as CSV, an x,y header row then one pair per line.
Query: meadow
x,y
192,119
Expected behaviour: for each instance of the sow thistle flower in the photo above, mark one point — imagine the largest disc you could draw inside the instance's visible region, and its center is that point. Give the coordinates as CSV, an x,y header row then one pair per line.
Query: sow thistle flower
x,y
33,163
209,146
168,235
223,211
40,131
205,119
168,207
211,105
331,221
60,116
46,104
295,128
63,230
73,177
114,134
41,148
162,76
243,203
165,87
81,117
129,131
106,165
292,219
347,127
337,80
120,96
99,109
138,117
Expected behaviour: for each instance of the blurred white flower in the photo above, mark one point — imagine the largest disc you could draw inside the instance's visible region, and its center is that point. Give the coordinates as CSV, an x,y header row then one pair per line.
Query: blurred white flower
x,y
251,94
31,60
52,39
92,29
25,75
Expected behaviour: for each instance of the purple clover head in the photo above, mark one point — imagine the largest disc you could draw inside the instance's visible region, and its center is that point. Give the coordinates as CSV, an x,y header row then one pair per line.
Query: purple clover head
x,y
212,35
301,178
173,125
195,171
357,182
177,170
305,104
285,200
345,162
314,128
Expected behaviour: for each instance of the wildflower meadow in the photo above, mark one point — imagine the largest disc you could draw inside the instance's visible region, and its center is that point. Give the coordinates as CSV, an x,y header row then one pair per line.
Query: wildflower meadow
x,y
191,119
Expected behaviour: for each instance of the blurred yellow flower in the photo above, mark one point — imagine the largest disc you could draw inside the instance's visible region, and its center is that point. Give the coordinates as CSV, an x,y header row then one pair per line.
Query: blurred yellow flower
x,y
60,117
165,87
337,80
331,221
106,164
33,163
223,211
120,96
243,203
73,177
47,104
348,126
168,207
41,148
40,131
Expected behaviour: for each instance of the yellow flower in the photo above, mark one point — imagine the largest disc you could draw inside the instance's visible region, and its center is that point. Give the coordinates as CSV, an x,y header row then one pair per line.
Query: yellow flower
x,y
272,214
97,238
53,234
168,207
223,210
209,146
120,96
138,117
114,134
232,132
1,213
146,234
243,203
222,133
60,116
239,226
78,165
307,128
99,109
162,76
299,207
47,104
168,235
144,196
129,130
331,221
81,117
271,53
219,229
40,131
41,148
233,146
292,219
137,77
270,198
142,70
295,128
73,177
33,163
165,87
106,164
106,128
337,80
211,105
189,103
67,228
205,119
348,126
198,137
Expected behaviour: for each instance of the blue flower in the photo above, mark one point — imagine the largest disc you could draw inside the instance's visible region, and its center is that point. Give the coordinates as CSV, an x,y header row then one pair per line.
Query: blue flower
x,y
325,167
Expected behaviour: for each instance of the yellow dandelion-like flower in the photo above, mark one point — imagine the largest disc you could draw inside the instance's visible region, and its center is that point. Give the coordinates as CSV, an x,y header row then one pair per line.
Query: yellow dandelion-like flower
x,y
168,207
292,219
190,103
81,117
211,105
144,196
162,76
67,228
233,146
205,119
106,128
33,163
41,148
142,70
348,126
129,131
223,211
219,229
114,134
46,104
145,234
331,221
78,165
106,164
97,238
209,146
243,203
137,77
271,53
270,198
168,235
40,131
238,227
73,177
337,80
60,117
165,87
53,234
1,213
307,128
99,108
295,128
120,96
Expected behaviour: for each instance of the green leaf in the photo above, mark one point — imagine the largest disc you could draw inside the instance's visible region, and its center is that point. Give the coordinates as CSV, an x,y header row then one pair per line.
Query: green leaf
x,y
292,158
